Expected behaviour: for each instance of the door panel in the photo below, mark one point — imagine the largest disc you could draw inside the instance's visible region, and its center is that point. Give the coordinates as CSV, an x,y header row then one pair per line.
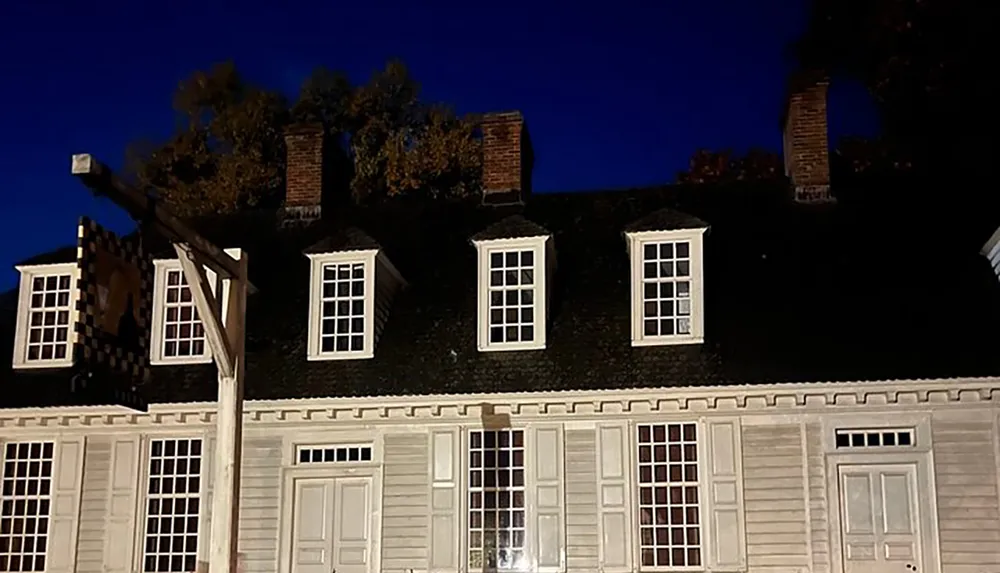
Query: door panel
x,y
331,525
879,518
352,544
312,541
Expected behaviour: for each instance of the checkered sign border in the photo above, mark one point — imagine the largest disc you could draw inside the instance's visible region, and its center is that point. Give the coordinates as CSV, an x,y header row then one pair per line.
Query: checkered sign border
x,y
90,352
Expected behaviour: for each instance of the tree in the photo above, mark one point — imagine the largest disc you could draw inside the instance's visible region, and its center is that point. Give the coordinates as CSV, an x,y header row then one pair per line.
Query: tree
x,y
228,151
924,61
723,166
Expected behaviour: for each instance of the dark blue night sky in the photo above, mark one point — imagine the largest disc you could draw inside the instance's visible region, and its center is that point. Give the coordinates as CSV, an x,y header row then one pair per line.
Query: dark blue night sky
x,y
616,94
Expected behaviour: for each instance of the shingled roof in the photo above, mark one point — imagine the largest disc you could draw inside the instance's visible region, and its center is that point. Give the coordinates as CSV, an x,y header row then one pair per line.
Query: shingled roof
x,y
851,291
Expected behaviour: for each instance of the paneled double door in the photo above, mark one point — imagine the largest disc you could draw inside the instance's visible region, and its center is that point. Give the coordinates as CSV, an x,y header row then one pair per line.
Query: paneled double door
x,y
880,518
331,525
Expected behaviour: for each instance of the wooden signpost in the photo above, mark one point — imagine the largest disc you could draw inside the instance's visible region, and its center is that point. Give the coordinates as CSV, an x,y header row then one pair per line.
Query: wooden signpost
x,y
227,340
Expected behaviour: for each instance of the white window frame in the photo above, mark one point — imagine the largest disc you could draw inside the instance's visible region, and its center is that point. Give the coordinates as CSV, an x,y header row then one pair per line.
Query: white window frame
x,y
702,483
37,497
486,248
317,262
530,530
28,273
204,494
636,243
162,268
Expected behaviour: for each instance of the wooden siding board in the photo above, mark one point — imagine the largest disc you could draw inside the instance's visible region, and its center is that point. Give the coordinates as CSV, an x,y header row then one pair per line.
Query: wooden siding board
x,y
775,497
260,504
582,536
94,505
405,502
968,504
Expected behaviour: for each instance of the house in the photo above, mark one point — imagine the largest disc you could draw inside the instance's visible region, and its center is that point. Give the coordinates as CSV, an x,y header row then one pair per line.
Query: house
x,y
765,377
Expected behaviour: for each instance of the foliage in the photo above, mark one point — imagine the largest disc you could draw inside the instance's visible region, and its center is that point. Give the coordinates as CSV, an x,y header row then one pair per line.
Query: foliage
x,y
228,151
870,156
723,166
924,61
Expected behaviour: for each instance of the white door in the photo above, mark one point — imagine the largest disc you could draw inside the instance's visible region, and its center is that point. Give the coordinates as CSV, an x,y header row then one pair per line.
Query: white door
x,y
331,525
879,518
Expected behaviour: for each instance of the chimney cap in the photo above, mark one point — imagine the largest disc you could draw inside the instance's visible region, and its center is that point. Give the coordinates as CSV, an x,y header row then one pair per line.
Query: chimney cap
x,y
303,128
805,79
496,116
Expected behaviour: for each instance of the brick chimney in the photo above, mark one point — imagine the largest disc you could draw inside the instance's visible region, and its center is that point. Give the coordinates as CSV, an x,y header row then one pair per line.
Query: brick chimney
x,y
507,159
303,173
807,153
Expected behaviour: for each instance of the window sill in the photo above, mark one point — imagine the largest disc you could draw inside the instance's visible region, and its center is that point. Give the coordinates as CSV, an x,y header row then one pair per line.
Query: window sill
x,y
357,355
499,347
43,364
187,361
665,341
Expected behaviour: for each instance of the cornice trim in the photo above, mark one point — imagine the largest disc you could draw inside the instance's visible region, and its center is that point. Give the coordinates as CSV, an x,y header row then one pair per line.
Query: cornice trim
x,y
786,398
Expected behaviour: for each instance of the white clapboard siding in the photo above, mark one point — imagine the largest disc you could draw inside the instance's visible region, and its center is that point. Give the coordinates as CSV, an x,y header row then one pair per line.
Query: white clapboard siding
x,y
545,449
94,505
405,498
260,503
968,513
445,552
774,494
65,505
207,481
819,508
615,548
121,506
582,534
727,538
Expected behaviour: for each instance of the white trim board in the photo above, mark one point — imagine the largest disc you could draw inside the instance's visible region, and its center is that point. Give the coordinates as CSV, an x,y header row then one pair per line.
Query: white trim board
x,y
780,399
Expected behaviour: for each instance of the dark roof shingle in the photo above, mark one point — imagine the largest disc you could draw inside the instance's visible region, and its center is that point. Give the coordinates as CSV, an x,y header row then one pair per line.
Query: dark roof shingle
x,y
851,291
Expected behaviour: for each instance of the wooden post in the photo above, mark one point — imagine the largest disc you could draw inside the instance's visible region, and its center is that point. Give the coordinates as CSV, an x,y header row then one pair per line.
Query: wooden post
x,y
229,437
226,337
227,344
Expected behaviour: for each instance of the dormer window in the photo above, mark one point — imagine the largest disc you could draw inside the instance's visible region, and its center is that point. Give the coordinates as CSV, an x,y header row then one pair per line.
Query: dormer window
x,y
667,286
513,277
351,290
344,319
45,312
178,333
513,299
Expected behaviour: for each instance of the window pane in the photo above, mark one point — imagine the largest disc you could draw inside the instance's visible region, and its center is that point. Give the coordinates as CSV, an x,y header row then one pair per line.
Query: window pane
x,y
512,294
343,308
172,502
496,500
666,289
668,497
49,309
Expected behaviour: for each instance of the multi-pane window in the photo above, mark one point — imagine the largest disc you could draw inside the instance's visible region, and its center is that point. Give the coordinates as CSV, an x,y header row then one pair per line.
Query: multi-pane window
x,y
183,331
334,454
669,516
25,501
512,296
343,308
875,438
666,288
496,500
172,500
49,318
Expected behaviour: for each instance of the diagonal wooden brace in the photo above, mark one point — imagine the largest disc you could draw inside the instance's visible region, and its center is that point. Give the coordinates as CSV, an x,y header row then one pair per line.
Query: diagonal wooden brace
x,y
204,300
